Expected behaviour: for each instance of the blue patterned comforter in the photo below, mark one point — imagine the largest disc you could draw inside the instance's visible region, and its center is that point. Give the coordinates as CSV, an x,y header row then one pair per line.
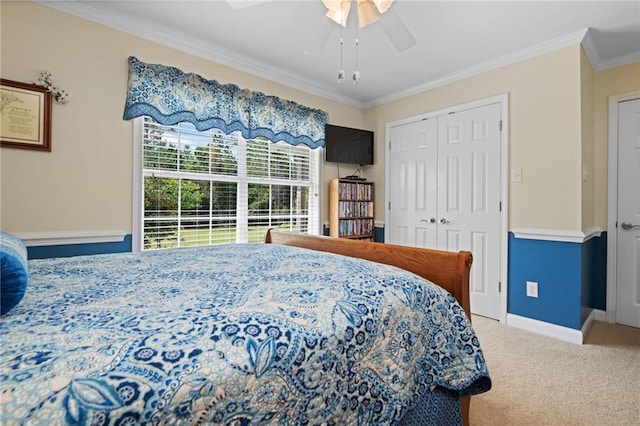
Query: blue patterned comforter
x,y
230,334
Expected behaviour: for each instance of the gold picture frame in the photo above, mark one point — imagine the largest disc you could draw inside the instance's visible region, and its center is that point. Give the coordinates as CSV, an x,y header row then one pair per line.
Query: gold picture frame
x,y
25,116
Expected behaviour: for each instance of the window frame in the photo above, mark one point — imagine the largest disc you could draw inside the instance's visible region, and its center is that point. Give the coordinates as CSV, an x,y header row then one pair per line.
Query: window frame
x,y
314,224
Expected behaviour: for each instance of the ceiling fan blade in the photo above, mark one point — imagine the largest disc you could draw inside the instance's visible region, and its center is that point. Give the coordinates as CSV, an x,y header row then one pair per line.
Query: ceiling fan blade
x,y
243,4
320,37
396,31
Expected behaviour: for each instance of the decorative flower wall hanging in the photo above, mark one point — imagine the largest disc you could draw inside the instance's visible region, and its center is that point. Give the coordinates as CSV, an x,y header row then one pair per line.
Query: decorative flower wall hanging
x,y
44,80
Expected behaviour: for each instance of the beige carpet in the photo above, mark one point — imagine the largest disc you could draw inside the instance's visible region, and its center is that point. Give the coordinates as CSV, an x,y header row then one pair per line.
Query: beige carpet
x,y
539,380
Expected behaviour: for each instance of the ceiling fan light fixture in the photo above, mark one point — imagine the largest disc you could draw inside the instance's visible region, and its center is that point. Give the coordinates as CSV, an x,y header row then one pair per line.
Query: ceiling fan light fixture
x,y
369,11
382,5
338,11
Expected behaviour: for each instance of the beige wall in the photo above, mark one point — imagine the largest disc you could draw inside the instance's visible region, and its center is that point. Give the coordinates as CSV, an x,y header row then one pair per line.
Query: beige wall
x,y
587,128
85,183
612,82
544,133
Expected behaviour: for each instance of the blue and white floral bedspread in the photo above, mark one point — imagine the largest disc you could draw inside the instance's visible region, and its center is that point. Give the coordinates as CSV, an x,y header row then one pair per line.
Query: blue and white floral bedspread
x,y
230,334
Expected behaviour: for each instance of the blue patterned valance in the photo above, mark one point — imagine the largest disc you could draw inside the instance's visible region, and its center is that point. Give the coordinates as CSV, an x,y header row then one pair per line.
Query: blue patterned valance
x,y
170,96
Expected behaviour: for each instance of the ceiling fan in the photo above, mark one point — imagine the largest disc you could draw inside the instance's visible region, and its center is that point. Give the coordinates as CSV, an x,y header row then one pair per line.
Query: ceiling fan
x,y
368,12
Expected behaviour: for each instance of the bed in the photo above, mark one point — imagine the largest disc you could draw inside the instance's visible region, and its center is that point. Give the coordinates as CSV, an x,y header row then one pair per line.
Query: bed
x,y
299,330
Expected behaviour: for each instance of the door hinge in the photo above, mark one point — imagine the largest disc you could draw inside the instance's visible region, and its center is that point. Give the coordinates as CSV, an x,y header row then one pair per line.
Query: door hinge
x,y
500,206
389,145
500,125
389,205
499,286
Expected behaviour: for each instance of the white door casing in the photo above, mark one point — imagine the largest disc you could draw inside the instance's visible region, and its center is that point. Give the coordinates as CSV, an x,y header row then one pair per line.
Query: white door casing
x,y
470,173
413,185
628,220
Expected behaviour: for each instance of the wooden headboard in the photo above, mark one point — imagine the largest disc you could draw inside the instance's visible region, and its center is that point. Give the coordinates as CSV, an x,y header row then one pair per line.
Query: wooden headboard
x,y
449,270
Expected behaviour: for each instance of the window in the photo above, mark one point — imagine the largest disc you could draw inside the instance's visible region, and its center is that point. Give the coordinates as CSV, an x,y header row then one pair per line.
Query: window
x,y
199,188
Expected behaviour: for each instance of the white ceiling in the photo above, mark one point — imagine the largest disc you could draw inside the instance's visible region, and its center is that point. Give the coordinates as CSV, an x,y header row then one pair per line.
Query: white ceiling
x,y
454,38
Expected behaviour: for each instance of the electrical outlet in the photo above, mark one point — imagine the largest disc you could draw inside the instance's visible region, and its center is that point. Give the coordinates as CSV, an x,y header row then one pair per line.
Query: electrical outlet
x,y
532,289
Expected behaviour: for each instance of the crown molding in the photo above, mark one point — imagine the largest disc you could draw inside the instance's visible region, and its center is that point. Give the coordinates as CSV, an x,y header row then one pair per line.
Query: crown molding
x,y
590,49
195,47
582,37
517,56
598,64
618,61
232,59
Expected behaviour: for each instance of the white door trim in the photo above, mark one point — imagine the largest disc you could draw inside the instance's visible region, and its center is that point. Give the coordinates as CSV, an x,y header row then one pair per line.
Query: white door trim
x,y
503,99
612,213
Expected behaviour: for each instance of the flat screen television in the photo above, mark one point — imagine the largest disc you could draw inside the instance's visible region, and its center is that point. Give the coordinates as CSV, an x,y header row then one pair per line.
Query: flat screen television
x,y
347,145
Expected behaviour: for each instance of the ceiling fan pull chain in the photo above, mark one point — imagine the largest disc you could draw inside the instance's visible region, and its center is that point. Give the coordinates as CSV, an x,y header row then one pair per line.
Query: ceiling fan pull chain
x,y
341,70
356,73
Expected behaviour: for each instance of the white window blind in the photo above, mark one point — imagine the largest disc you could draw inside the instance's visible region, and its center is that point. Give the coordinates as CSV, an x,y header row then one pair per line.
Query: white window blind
x,y
202,188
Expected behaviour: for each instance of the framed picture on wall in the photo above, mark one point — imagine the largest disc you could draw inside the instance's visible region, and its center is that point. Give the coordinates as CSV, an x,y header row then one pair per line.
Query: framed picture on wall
x,y
25,116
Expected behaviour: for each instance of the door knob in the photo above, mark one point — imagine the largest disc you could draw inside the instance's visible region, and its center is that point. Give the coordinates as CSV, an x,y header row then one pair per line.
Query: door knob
x,y
444,221
432,220
628,225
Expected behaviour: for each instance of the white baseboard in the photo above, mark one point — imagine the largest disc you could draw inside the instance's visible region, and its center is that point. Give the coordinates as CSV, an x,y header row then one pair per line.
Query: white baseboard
x,y
552,330
599,315
37,239
587,324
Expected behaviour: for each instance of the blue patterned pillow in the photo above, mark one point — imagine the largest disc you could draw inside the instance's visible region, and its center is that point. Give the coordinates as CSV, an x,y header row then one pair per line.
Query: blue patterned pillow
x,y
13,271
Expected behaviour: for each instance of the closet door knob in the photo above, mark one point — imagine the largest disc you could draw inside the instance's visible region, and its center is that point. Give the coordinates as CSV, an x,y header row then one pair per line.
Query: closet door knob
x,y
628,225
444,221
432,220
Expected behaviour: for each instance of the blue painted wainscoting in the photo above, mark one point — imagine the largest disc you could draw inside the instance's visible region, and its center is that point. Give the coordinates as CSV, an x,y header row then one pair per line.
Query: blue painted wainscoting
x,y
571,272
594,273
44,251
571,279
67,250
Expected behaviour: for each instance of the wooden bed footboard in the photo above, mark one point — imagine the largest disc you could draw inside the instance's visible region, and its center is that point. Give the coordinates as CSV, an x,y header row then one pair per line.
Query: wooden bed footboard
x,y
449,270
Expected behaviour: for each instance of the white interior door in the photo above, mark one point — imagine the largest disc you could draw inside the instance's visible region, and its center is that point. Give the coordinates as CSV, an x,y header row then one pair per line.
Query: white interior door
x,y
469,198
413,185
448,168
628,230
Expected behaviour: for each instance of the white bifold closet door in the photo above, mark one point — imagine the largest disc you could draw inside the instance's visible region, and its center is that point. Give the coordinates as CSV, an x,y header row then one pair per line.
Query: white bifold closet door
x,y
445,193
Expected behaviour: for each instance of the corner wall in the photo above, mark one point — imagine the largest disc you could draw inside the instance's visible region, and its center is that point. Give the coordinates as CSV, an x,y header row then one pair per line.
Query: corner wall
x,y
545,140
611,82
563,213
544,133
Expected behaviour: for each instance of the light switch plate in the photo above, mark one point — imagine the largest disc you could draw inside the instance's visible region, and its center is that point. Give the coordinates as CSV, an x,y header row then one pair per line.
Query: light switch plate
x,y
516,175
